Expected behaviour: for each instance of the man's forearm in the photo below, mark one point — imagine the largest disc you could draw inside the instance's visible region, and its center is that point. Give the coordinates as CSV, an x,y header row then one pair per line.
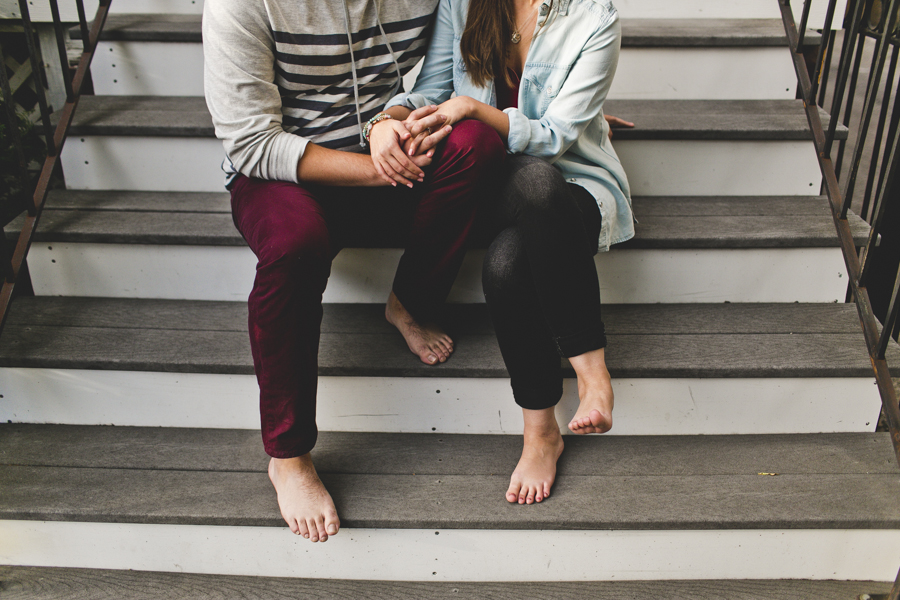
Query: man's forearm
x,y
333,167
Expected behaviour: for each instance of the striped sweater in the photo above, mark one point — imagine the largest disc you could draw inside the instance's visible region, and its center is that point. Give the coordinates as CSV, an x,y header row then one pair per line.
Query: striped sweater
x,y
280,73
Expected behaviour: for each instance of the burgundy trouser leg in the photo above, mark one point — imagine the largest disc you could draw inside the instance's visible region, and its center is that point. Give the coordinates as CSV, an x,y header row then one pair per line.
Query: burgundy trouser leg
x,y
444,216
286,228
296,230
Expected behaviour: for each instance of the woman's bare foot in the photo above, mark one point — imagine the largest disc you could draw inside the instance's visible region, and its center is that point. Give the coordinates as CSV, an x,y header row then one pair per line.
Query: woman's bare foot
x,y
594,414
536,471
304,502
426,340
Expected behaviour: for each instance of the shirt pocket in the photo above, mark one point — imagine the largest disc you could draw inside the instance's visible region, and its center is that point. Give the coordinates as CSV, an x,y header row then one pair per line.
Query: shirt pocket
x,y
542,83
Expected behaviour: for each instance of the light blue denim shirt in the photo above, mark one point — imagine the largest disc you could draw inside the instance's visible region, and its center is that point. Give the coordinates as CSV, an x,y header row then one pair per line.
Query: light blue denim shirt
x,y
567,75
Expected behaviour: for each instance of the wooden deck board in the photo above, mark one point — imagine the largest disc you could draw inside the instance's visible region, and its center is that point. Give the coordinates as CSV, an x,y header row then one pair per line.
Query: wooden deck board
x,y
84,446
645,341
34,583
680,502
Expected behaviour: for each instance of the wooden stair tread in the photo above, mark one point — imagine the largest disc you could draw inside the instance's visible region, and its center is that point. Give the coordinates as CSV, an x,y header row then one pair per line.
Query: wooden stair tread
x,y
187,116
474,500
339,452
635,32
664,222
37,583
365,346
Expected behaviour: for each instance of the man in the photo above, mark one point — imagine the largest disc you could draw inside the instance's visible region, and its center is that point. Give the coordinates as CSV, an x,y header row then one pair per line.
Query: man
x,y
294,87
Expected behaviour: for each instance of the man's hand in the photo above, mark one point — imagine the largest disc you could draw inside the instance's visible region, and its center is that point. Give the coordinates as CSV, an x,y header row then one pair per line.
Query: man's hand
x,y
389,143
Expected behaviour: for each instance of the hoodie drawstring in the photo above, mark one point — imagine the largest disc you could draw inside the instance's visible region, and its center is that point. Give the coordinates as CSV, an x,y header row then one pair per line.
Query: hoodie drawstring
x,y
362,139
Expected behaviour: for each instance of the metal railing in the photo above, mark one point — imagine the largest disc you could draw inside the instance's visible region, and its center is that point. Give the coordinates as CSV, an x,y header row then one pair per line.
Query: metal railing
x,y
864,20
54,137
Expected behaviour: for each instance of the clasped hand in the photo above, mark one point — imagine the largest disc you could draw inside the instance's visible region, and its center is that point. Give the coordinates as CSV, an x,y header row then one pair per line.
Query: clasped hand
x,y
402,149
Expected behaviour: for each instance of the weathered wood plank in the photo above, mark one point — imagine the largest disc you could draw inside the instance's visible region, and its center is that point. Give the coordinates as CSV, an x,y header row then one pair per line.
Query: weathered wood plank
x,y
35,583
386,355
645,341
702,32
664,232
635,32
231,450
713,119
655,119
817,501
461,319
659,206
204,219
128,200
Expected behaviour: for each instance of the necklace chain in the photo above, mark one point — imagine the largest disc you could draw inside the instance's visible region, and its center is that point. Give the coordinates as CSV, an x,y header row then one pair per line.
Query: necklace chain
x,y
516,37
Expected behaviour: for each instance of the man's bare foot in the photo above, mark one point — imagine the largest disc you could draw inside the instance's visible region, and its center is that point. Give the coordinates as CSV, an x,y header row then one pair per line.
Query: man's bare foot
x,y
304,502
536,471
426,340
594,414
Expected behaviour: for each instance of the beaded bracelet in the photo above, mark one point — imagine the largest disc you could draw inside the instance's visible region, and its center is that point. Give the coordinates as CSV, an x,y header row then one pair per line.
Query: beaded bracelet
x,y
367,128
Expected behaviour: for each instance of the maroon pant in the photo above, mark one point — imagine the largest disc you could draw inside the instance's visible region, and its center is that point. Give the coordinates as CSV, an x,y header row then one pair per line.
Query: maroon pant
x,y
295,232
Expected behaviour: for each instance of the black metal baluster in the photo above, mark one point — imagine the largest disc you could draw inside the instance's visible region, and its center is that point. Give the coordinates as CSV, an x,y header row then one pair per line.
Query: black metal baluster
x,y
843,74
61,48
869,106
823,45
879,136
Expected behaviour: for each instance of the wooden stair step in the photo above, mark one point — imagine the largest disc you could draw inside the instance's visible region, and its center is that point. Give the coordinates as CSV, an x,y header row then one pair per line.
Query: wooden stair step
x,y
707,345
184,218
187,116
36,583
635,32
844,481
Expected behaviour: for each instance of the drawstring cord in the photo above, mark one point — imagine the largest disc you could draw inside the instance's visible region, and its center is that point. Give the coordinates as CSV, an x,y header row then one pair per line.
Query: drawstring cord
x,y
362,139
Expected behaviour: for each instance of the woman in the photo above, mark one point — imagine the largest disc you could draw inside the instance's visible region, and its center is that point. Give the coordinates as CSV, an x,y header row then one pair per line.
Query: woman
x,y
537,72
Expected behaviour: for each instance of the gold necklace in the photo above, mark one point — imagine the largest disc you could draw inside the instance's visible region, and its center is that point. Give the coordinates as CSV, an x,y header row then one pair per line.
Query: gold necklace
x,y
516,37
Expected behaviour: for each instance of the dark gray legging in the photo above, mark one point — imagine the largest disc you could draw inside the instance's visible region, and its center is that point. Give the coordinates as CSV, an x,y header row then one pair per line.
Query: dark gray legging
x,y
539,278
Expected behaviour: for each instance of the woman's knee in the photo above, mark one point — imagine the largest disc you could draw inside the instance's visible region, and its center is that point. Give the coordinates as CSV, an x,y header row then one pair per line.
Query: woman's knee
x,y
535,190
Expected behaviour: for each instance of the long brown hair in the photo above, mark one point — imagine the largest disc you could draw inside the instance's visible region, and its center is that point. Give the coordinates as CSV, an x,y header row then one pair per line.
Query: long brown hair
x,y
485,40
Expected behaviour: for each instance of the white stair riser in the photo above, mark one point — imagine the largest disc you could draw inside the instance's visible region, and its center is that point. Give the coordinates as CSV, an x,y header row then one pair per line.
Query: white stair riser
x,y
728,168
655,168
724,9
457,554
365,275
631,9
715,406
749,73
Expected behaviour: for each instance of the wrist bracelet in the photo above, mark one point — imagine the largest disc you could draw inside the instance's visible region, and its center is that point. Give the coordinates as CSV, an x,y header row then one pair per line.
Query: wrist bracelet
x,y
367,128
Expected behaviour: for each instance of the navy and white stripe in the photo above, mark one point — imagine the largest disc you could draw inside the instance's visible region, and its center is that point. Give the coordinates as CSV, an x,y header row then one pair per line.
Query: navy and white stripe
x,y
315,78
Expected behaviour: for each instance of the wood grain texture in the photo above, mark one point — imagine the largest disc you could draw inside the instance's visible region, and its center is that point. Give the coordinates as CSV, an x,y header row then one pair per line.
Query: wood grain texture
x,y
135,201
665,223
461,319
635,32
177,116
682,502
703,33
100,447
33,583
711,341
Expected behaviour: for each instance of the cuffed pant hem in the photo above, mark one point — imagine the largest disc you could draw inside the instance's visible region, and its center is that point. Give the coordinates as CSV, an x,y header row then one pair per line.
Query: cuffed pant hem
x,y
534,398
292,453
576,344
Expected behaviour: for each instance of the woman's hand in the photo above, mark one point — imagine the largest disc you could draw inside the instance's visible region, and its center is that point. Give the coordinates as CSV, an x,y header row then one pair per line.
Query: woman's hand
x,y
390,141
616,122
451,112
